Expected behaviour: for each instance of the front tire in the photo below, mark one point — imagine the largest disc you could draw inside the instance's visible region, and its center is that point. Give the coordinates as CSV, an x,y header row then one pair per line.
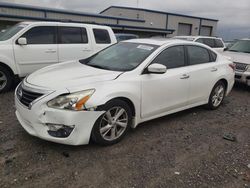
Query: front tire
x,y
217,96
6,79
114,124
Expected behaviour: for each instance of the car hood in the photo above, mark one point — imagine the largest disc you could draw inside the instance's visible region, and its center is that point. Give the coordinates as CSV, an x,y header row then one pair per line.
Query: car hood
x,y
238,57
68,75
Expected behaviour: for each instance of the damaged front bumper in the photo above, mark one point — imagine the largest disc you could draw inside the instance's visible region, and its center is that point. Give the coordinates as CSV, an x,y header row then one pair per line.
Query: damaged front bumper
x,y
60,126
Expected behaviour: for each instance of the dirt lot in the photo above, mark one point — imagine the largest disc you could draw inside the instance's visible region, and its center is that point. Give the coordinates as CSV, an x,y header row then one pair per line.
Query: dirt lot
x,y
181,150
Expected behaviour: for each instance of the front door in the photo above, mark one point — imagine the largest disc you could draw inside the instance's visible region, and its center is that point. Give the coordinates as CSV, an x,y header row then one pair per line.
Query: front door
x,y
40,51
162,93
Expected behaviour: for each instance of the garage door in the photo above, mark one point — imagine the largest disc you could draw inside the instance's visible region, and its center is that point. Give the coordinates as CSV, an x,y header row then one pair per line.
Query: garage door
x,y
184,29
206,30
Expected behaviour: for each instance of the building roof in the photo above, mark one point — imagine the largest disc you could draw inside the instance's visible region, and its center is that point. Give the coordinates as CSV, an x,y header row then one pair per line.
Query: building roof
x,y
155,11
64,11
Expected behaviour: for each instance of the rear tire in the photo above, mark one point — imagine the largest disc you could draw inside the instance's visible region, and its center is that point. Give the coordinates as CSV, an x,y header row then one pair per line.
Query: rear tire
x,y
114,124
217,96
6,79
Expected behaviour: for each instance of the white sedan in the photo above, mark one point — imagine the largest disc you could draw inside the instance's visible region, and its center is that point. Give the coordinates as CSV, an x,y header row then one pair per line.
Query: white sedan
x,y
102,97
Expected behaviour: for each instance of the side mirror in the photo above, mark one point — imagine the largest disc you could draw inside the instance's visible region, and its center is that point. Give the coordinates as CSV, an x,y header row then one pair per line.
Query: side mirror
x,y
22,41
156,68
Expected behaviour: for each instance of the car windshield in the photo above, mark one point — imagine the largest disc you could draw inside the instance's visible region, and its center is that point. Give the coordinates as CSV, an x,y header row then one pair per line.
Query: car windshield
x,y
124,56
10,32
241,46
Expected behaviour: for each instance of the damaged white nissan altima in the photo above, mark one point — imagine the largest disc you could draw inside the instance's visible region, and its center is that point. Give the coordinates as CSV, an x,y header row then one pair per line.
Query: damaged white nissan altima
x,y
101,97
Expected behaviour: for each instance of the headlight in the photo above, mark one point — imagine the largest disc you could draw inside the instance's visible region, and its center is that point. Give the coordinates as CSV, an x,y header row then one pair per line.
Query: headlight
x,y
248,68
73,101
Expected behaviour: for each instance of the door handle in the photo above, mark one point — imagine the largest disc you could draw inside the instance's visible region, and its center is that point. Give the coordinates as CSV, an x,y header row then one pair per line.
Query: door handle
x,y
214,69
86,50
185,76
50,51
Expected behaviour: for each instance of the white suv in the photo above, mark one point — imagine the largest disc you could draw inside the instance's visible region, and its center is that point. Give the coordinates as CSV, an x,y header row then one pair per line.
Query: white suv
x,y
213,42
29,46
240,54
126,84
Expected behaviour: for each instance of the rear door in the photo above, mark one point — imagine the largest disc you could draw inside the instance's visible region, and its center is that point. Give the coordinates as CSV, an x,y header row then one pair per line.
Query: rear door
x,y
203,70
102,38
40,51
74,43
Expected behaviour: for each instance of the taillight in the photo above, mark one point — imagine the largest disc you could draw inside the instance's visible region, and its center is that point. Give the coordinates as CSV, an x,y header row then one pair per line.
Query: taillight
x,y
233,66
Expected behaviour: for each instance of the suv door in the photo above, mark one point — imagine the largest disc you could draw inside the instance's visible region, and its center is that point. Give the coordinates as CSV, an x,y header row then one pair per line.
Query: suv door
x,y
203,73
102,38
73,43
169,91
40,51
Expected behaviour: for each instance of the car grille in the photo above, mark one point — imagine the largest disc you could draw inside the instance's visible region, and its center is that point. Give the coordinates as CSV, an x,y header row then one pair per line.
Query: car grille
x,y
240,66
26,97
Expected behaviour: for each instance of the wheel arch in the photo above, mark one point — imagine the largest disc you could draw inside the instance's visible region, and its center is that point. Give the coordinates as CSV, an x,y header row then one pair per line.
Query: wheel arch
x,y
128,101
7,67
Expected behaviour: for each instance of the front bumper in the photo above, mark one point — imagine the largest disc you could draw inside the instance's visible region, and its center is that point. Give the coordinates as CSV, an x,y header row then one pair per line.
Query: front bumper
x,y
242,77
36,119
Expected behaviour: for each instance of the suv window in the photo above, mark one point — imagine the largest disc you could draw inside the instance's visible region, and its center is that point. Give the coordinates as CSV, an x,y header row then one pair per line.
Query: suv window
x,y
41,35
198,55
172,57
101,36
209,42
218,43
72,35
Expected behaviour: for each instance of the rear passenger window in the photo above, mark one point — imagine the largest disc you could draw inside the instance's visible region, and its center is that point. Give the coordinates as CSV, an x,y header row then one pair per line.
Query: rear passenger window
x,y
101,36
218,43
213,56
209,42
197,55
72,35
172,57
41,35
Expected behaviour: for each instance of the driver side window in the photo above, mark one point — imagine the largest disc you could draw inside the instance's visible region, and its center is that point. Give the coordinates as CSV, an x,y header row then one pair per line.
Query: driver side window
x,y
172,57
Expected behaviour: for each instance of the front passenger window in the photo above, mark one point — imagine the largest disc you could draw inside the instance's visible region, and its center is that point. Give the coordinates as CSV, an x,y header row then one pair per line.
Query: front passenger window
x,y
41,35
198,55
172,57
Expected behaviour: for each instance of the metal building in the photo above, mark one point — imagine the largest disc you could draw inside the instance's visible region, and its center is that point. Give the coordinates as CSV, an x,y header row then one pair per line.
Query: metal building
x,y
143,22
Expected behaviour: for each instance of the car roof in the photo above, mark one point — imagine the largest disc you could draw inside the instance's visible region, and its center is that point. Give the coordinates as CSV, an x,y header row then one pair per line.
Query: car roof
x,y
125,34
195,37
159,41
63,23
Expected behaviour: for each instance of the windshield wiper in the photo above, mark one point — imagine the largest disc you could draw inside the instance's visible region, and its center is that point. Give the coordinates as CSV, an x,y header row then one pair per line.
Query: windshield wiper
x,y
233,50
97,66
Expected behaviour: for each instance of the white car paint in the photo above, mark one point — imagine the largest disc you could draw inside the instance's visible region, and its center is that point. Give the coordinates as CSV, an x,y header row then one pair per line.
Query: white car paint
x,y
22,60
152,95
200,38
240,58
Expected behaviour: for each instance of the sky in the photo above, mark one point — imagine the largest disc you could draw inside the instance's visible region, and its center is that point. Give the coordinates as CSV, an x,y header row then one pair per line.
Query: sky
x,y
233,15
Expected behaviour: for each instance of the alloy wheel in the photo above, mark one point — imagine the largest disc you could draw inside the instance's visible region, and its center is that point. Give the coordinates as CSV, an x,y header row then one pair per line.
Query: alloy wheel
x,y
113,123
3,80
218,95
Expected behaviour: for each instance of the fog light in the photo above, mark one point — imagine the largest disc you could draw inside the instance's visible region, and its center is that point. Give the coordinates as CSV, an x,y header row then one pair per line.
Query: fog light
x,y
60,131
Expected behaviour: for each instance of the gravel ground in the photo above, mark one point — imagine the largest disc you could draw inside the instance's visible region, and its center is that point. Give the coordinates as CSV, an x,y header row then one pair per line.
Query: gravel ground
x,y
185,149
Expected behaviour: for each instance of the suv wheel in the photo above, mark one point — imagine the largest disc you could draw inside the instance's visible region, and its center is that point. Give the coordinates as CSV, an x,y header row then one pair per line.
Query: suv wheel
x,y
217,95
114,124
5,79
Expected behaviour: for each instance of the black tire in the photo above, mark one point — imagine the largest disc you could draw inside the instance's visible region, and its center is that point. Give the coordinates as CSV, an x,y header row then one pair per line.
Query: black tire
x,y
211,105
96,131
4,72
